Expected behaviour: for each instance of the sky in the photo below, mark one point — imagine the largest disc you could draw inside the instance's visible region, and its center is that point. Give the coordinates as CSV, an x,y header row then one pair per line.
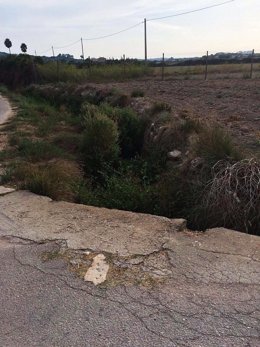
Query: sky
x,y
42,24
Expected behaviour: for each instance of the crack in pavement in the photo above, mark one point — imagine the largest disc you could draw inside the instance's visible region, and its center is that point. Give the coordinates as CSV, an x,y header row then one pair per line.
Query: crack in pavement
x,y
179,325
91,294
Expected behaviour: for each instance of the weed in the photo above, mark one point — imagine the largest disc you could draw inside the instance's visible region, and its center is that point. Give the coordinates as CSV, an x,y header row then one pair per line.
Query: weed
x,y
34,151
159,107
137,93
213,144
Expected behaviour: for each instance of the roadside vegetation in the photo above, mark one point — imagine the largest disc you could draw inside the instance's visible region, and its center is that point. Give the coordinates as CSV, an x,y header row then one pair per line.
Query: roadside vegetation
x,y
21,70
88,145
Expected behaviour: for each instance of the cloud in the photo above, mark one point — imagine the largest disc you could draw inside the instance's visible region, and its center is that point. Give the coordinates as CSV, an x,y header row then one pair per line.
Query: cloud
x,y
43,23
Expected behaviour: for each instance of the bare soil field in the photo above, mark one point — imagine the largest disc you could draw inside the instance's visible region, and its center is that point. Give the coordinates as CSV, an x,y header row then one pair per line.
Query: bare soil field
x,y
235,104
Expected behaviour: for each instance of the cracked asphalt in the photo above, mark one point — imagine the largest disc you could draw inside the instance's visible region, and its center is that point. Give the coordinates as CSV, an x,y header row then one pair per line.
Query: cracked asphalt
x,y
205,290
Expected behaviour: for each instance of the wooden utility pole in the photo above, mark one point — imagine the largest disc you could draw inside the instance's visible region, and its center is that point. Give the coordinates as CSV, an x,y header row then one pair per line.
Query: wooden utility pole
x,y
58,70
53,52
145,41
163,66
124,64
82,49
206,67
252,64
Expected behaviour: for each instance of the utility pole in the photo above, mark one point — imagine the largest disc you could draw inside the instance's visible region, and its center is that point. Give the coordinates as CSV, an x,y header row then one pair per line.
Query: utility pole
x,y
206,68
163,66
35,53
145,41
52,51
124,64
82,49
252,63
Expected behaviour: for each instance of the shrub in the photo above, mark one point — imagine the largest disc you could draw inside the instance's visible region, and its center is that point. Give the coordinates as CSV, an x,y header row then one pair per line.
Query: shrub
x,y
213,144
137,93
127,193
131,132
131,129
17,71
180,196
99,144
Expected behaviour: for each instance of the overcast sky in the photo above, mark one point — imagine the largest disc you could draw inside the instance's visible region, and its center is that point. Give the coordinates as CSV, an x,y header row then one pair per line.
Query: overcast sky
x,y
43,23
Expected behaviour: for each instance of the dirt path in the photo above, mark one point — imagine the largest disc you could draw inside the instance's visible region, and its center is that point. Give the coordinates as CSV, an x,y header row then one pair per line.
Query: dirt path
x,y
6,112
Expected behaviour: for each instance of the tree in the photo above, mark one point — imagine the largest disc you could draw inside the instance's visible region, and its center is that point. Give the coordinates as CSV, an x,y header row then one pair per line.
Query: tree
x,y
8,44
23,48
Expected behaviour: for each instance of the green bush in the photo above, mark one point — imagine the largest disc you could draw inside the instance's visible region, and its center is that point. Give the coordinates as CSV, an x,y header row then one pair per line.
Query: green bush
x,y
99,144
131,129
17,71
127,193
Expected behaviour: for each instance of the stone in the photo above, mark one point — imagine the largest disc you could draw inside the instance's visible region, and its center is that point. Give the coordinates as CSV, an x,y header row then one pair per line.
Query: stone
x,y
97,273
179,224
4,190
175,155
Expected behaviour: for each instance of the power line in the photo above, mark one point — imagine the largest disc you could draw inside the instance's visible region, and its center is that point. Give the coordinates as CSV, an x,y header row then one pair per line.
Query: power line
x,y
44,51
116,33
192,11
69,45
136,25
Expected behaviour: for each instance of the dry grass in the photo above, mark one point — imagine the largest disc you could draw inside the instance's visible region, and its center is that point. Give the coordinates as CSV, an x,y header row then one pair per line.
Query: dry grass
x,y
56,179
224,70
233,197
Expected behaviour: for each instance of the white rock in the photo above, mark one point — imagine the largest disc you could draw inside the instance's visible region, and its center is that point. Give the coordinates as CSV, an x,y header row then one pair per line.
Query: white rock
x,y
4,190
97,273
175,155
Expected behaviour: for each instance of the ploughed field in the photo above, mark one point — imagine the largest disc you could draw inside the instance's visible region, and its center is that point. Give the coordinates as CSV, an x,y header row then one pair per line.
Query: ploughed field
x,y
233,103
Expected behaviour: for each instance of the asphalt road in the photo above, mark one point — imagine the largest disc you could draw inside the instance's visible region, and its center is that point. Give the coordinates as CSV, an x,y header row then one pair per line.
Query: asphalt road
x,y
43,304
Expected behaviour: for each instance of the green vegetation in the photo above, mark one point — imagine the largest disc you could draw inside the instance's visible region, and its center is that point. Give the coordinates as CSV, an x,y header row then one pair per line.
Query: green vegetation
x,y
137,93
22,70
87,145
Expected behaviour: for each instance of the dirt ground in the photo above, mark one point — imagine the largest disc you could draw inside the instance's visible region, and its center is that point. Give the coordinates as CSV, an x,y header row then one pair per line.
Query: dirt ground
x,y
233,103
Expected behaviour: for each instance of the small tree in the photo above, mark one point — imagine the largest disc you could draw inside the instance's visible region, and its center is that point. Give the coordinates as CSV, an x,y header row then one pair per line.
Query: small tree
x,y
8,44
23,48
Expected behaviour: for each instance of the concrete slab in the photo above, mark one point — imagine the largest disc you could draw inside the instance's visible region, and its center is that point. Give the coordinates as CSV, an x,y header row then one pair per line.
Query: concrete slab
x,y
83,227
5,190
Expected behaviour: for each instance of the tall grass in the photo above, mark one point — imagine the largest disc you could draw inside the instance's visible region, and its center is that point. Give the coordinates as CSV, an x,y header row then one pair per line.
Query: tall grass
x,y
53,72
